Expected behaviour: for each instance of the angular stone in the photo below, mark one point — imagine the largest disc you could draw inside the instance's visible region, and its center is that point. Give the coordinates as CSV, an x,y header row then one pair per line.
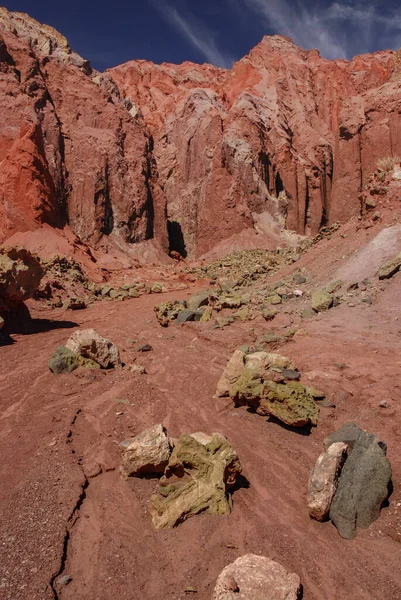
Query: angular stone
x,y
390,268
253,577
198,300
74,304
156,288
299,279
168,311
290,403
258,362
324,480
232,372
200,473
146,454
321,301
333,286
207,315
274,299
20,276
269,313
362,488
89,344
65,361
186,315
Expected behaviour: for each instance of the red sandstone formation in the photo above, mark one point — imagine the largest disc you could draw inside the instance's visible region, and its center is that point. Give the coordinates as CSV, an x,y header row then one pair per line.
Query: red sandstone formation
x,y
71,150
284,131
190,152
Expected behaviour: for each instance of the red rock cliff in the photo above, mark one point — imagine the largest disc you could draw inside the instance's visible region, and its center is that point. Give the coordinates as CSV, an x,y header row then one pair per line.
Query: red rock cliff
x,y
194,150
284,131
71,152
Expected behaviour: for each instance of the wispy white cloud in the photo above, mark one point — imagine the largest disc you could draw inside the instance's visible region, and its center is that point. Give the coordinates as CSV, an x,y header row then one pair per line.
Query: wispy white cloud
x,y
338,30
195,32
308,28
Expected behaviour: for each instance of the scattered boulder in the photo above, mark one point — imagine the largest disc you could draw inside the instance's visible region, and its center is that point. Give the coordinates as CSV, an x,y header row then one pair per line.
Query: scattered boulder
x,y
324,480
390,268
168,311
200,473
207,315
66,361
350,480
269,313
20,276
253,577
137,369
321,301
308,313
299,279
157,288
232,372
89,344
199,300
146,454
144,348
74,304
288,402
274,299
363,486
186,315
259,379
334,286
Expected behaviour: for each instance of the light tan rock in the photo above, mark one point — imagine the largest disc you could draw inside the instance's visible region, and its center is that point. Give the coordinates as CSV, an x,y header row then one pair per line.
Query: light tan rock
x,y
253,577
146,454
324,480
232,372
197,479
257,362
89,344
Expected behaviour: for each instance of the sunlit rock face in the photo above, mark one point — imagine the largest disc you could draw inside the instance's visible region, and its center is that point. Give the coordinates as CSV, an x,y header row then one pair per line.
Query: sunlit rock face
x,y
188,155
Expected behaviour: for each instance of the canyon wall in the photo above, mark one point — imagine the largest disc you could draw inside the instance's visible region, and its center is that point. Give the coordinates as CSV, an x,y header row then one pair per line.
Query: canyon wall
x,y
187,154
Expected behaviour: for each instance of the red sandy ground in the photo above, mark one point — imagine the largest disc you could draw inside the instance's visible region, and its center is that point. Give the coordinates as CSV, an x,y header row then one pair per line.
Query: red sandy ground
x,y
65,509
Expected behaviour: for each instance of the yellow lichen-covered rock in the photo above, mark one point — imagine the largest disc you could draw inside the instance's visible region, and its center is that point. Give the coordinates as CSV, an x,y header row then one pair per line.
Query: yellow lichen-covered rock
x,y
200,472
289,402
168,311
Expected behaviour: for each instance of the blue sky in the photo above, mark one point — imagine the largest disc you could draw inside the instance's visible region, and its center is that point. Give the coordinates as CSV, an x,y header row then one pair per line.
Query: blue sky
x,y
215,31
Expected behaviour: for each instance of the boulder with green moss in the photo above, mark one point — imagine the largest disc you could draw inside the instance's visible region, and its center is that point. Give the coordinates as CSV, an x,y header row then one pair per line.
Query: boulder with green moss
x,y
168,311
321,301
66,361
290,401
269,313
200,473
263,364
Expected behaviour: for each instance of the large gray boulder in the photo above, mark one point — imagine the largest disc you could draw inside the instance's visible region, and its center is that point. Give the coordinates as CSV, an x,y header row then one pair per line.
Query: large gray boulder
x,y
253,577
364,482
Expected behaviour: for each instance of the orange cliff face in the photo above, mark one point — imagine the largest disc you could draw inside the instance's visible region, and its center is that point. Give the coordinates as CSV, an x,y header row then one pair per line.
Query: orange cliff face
x,y
71,152
284,131
187,154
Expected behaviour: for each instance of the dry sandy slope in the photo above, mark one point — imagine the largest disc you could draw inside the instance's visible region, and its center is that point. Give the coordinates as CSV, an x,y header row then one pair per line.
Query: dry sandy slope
x,y
59,446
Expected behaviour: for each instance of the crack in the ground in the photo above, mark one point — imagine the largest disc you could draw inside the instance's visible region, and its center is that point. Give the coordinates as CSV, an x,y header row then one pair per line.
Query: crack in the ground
x,y
74,516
